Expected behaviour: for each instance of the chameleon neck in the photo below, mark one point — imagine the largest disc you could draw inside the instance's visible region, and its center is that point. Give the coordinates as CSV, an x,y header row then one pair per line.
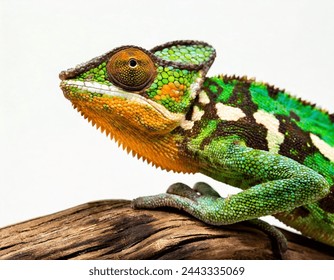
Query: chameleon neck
x,y
161,151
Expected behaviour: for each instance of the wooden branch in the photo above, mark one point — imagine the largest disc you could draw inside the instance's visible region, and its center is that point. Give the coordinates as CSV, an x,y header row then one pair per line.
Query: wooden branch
x,y
111,229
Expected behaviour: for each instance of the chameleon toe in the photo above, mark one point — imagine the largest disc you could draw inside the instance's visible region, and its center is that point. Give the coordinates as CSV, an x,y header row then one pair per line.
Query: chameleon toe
x,y
205,189
183,191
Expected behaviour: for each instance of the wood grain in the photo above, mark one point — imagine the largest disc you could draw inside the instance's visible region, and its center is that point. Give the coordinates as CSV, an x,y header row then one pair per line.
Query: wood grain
x,y
111,229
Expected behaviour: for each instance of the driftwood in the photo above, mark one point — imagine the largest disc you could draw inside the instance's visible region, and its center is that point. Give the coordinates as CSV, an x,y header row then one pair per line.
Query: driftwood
x,y
111,229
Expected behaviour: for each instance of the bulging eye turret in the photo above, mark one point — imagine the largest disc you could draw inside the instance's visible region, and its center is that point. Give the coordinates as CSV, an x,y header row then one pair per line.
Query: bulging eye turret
x,y
131,69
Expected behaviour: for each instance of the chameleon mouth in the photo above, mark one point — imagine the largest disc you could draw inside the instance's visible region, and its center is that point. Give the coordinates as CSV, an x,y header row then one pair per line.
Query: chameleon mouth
x,y
111,91
105,90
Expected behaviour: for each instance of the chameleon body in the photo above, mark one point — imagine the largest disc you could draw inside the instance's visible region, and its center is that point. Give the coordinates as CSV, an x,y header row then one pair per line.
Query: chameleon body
x,y
160,105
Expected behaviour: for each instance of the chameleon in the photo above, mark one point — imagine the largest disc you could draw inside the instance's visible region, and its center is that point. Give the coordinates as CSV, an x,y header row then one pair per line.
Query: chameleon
x,y
160,105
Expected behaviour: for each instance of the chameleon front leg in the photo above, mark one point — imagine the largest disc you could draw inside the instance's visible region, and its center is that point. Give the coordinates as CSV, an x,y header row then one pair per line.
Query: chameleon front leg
x,y
285,185
203,189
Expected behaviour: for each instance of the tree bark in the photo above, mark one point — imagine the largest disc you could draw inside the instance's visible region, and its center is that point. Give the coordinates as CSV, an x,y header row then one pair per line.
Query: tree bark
x,y
111,229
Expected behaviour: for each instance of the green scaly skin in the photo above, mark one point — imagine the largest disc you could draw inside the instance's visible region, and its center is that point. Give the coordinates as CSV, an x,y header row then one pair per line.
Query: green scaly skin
x,y
278,149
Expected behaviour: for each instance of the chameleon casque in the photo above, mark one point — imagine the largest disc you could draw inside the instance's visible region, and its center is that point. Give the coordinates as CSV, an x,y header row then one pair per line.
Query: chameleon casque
x,y
160,105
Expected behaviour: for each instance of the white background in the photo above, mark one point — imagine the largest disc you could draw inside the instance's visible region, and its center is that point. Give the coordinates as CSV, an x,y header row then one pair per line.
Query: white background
x,y
52,159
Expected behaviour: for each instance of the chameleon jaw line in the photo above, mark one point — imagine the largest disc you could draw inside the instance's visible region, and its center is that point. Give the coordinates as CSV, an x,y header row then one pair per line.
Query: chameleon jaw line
x,y
112,91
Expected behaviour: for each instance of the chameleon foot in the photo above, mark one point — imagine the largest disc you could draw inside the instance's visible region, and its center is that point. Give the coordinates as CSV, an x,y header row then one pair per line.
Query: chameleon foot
x,y
204,203
201,201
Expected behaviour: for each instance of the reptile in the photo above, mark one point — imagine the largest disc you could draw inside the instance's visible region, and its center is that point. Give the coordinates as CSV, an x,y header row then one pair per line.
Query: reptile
x,y
160,105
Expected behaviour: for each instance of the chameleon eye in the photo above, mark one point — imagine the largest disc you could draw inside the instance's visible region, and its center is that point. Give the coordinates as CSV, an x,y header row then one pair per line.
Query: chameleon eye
x,y
131,69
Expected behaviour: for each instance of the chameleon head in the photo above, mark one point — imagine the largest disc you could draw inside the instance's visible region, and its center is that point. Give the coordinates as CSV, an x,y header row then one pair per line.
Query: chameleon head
x,y
133,93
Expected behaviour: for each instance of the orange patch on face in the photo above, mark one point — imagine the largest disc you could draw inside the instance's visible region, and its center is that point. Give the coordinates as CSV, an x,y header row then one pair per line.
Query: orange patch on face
x,y
175,92
133,114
